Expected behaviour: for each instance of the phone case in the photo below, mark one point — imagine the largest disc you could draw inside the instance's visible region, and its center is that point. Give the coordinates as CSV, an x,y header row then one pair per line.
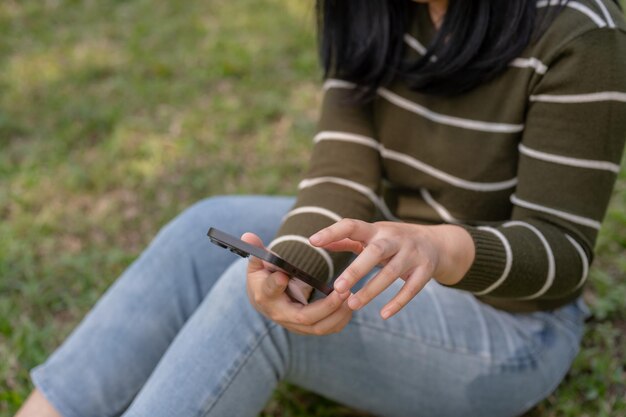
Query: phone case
x,y
244,249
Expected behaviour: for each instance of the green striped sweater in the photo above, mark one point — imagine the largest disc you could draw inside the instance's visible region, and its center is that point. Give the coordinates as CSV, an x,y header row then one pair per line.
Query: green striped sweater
x,y
525,163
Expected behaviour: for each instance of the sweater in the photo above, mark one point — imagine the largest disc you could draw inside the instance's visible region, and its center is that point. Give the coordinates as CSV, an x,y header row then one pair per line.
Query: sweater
x,y
526,163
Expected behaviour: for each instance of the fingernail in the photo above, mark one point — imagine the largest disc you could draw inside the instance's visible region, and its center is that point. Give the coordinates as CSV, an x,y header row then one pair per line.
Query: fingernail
x,y
385,314
341,285
314,238
354,303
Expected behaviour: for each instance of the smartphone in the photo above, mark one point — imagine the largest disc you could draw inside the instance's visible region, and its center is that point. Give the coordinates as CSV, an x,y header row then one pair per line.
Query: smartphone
x,y
244,249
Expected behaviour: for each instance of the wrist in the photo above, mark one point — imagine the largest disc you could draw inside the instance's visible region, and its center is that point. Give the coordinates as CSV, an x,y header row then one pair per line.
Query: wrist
x,y
456,252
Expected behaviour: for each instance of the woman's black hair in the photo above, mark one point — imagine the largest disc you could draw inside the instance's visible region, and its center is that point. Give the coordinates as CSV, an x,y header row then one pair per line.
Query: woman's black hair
x,y
362,41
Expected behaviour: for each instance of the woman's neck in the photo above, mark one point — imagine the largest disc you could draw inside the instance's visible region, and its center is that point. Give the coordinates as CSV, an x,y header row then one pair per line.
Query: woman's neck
x,y
436,9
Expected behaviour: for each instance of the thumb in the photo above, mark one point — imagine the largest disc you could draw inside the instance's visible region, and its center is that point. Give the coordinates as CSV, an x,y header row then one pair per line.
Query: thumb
x,y
254,264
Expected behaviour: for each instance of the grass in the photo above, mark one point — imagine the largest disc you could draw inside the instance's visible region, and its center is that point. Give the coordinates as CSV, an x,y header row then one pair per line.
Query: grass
x,y
115,115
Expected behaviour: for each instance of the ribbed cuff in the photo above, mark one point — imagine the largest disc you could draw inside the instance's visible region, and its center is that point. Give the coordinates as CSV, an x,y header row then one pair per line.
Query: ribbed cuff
x,y
489,261
304,257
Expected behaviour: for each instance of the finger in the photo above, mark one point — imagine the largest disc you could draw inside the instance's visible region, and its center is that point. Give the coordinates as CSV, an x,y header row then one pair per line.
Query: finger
x,y
320,309
299,291
283,310
332,323
254,263
278,308
373,254
329,324
413,285
387,276
345,228
345,245
275,284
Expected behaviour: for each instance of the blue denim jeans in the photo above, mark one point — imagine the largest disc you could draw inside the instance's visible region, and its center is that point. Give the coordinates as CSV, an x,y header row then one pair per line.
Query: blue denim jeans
x,y
176,336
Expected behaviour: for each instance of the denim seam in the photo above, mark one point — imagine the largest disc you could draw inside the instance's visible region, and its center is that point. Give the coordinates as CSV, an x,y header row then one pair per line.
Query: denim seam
x,y
253,349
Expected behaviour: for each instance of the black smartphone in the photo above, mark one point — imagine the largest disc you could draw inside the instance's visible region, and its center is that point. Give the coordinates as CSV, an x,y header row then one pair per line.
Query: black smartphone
x,y
244,249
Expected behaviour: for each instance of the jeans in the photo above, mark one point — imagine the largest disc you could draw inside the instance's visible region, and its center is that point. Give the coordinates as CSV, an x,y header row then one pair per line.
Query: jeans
x,y
175,335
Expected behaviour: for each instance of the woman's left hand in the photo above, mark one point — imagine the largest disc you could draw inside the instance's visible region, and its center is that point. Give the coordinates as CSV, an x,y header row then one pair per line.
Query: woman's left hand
x,y
413,252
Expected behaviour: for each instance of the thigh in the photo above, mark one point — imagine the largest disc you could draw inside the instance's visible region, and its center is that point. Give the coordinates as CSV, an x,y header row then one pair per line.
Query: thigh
x,y
168,281
109,356
445,354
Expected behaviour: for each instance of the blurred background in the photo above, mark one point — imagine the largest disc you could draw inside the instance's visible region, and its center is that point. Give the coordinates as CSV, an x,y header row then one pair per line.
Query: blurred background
x,y
117,114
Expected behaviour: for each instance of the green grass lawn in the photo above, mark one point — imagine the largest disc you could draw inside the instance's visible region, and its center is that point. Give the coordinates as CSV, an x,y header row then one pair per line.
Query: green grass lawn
x,y
115,115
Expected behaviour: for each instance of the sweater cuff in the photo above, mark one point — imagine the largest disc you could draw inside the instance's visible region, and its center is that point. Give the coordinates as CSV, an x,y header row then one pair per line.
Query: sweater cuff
x,y
489,262
304,257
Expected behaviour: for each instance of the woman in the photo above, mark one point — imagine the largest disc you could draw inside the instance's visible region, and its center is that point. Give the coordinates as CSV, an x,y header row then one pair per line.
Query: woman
x,y
486,133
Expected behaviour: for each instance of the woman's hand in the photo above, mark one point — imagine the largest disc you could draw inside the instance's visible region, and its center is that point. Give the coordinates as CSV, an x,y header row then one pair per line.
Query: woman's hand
x,y
415,253
266,291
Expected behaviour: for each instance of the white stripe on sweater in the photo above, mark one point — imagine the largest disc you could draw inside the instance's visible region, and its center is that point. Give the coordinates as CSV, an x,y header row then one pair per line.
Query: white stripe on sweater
x,y
606,14
576,6
583,259
534,63
335,83
549,253
545,3
580,98
574,218
346,137
360,188
448,120
415,44
586,10
313,209
444,176
431,115
441,210
415,163
508,263
301,239
566,160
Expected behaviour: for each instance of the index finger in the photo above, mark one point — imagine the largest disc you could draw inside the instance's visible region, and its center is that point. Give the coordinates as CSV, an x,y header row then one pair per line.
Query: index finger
x,y
345,228
345,245
322,308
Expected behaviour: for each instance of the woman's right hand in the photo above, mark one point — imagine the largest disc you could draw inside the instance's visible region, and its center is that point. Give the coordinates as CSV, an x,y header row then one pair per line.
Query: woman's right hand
x,y
266,291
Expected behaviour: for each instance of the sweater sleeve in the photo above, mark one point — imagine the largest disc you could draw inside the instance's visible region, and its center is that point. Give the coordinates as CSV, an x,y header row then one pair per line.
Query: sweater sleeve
x,y
342,181
569,159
